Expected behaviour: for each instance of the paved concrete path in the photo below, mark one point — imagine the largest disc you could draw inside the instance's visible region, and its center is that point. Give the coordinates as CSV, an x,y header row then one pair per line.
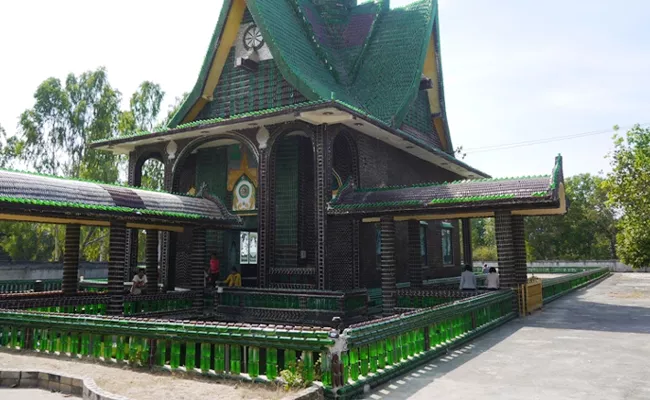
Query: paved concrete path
x,y
591,344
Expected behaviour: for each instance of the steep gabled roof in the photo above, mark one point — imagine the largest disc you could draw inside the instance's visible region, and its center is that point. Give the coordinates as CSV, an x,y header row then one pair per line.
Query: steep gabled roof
x,y
367,56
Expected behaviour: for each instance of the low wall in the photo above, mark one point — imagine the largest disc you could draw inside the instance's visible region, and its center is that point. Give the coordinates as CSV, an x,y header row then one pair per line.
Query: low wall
x,y
613,265
30,271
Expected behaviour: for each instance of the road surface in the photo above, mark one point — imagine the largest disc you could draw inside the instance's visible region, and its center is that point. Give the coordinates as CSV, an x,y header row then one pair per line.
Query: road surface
x,y
588,345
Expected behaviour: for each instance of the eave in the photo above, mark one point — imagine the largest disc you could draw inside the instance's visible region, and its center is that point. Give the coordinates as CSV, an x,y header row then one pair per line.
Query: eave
x,y
314,113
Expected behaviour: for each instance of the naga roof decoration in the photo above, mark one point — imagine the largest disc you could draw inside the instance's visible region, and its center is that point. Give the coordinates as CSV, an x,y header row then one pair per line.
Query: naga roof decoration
x,y
521,193
44,196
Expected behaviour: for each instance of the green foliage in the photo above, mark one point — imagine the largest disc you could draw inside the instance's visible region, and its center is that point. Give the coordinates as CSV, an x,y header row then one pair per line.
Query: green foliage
x,y
52,139
628,187
485,253
296,380
586,232
25,241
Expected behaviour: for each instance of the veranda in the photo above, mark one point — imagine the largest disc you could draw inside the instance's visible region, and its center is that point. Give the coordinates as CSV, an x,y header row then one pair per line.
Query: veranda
x,y
344,340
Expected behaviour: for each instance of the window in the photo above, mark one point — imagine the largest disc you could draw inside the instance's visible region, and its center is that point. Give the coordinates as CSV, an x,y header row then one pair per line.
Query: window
x,y
248,248
447,250
423,243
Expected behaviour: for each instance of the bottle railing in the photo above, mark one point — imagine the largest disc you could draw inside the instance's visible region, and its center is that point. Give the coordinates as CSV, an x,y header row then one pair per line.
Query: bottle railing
x,y
557,287
549,270
444,283
366,353
295,306
19,286
426,297
245,351
95,304
379,350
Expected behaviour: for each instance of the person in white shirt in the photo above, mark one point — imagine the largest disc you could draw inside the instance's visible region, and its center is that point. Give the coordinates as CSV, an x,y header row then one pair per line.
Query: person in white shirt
x,y
139,282
485,269
468,279
493,279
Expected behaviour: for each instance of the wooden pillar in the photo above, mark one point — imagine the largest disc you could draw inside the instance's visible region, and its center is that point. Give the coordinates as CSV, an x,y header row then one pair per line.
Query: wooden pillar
x,y
71,260
467,241
151,261
415,254
323,193
198,266
505,249
116,266
388,283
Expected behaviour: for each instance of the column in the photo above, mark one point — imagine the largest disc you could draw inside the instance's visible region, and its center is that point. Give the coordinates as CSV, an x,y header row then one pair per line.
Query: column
x,y
151,261
519,243
356,259
198,266
131,254
467,241
262,218
323,194
388,284
505,249
415,254
116,266
71,260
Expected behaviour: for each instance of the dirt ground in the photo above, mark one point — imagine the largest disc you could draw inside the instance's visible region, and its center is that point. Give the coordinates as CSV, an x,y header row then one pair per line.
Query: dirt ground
x,y
138,385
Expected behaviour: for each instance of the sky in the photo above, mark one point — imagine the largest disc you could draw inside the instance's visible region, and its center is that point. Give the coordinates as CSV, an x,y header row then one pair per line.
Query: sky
x,y
514,71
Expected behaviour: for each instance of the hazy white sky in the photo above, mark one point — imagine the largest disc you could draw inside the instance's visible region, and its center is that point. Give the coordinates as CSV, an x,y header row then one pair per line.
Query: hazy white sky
x,y
513,70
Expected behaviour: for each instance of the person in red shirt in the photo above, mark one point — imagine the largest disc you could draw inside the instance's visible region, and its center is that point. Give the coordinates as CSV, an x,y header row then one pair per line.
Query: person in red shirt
x,y
214,269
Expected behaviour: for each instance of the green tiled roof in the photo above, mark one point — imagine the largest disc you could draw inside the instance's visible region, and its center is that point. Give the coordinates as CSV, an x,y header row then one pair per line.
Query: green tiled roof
x,y
537,190
368,55
30,194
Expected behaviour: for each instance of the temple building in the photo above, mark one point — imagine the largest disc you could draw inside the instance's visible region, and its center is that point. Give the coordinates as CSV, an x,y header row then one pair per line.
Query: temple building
x,y
313,155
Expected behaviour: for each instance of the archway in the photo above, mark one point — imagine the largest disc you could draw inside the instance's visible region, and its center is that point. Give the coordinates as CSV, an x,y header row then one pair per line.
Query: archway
x,y
226,167
292,240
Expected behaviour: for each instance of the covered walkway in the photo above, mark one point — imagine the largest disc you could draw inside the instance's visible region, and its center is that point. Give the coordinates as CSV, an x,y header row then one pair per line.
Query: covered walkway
x,y
591,344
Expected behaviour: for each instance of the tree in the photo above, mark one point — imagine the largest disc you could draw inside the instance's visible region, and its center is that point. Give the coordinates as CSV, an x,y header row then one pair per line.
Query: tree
x,y
628,187
55,132
483,239
9,147
586,232
53,138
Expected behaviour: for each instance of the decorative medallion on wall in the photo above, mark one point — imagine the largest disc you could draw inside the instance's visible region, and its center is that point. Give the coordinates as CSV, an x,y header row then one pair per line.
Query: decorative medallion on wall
x,y
243,197
253,39
250,45
242,182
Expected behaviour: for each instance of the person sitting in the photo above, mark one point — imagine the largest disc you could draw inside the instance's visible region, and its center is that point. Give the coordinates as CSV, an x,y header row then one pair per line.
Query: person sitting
x,y
486,270
493,279
468,279
139,282
234,279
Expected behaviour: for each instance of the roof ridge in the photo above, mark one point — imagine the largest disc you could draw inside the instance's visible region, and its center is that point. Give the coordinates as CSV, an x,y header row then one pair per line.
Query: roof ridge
x,y
42,175
456,182
398,118
371,33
